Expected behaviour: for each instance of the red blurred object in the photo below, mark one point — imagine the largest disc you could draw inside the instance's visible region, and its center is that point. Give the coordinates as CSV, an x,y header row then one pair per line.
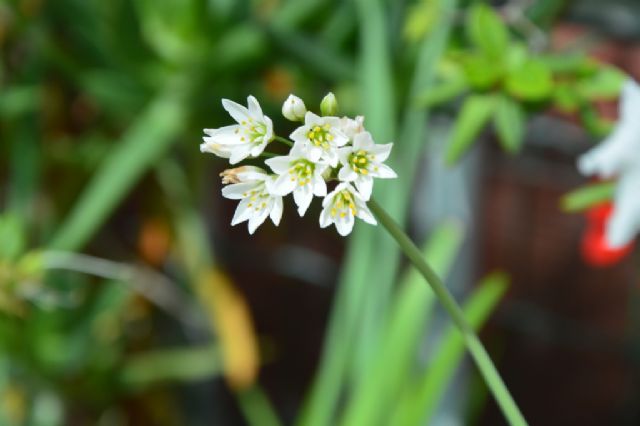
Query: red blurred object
x,y
595,249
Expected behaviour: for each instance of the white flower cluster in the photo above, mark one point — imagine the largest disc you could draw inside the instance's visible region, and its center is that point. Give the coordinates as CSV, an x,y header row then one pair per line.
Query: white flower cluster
x,y
323,149
619,156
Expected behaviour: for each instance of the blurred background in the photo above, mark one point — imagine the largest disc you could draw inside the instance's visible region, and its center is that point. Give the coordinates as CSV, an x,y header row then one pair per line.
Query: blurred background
x,y
126,298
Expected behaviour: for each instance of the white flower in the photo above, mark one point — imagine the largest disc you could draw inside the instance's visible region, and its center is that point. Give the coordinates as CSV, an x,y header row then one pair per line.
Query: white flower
x,y
362,161
257,202
294,109
352,126
300,175
619,155
341,206
247,138
321,136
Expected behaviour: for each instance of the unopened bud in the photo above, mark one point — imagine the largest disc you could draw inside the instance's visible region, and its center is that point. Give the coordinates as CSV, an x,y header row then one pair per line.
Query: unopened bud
x,y
293,108
329,105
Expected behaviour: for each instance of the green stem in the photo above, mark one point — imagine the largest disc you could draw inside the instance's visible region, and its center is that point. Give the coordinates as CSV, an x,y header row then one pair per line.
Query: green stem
x,y
475,347
283,140
269,154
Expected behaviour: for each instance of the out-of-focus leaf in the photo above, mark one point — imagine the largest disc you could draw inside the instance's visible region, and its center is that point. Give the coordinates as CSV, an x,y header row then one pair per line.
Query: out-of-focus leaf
x,y
605,84
487,31
421,399
442,93
147,139
482,73
181,365
257,408
509,121
566,98
405,323
588,196
475,113
421,18
232,321
12,237
530,82
17,100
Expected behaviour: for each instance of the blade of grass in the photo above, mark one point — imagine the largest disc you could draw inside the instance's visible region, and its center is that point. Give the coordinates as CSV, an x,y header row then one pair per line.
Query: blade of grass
x,y
257,408
582,198
148,138
403,329
421,399
181,365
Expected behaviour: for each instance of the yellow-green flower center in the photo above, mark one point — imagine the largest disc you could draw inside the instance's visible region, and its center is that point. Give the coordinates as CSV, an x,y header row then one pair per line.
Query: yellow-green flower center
x,y
302,171
320,136
359,161
343,203
252,131
258,198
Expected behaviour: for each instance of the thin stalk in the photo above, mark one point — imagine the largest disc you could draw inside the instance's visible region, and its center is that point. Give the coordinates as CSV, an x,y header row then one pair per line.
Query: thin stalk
x,y
478,352
269,154
283,140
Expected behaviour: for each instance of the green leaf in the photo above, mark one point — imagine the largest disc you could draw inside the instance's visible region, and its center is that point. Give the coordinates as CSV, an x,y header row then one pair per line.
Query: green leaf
x,y
420,400
12,237
147,139
530,82
182,365
481,72
487,31
588,196
510,121
475,114
404,327
606,83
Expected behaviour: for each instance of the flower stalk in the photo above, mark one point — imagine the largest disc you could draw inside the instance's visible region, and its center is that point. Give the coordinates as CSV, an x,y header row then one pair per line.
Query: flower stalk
x,y
476,349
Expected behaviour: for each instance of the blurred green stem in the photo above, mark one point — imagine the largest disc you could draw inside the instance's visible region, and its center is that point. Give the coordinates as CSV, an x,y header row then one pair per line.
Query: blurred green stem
x,y
471,340
283,140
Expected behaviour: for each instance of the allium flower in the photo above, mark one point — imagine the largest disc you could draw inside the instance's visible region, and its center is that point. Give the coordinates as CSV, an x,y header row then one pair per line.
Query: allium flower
x,y
362,161
294,109
321,136
352,126
247,138
619,155
257,202
300,175
341,206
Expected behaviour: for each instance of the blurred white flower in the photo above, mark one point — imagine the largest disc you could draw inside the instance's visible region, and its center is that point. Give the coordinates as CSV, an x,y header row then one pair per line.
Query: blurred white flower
x,y
294,109
321,136
362,161
257,202
619,155
247,138
352,126
298,174
341,206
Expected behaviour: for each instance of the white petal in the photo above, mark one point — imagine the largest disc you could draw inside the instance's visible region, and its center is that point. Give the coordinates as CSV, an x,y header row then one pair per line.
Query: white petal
x,y
384,172
363,141
257,149
365,214
279,165
243,212
276,211
325,217
235,110
344,225
299,135
625,220
319,186
381,151
251,173
344,153
302,197
283,185
238,191
314,153
239,153
630,101
257,219
365,186
346,174
254,108
331,156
